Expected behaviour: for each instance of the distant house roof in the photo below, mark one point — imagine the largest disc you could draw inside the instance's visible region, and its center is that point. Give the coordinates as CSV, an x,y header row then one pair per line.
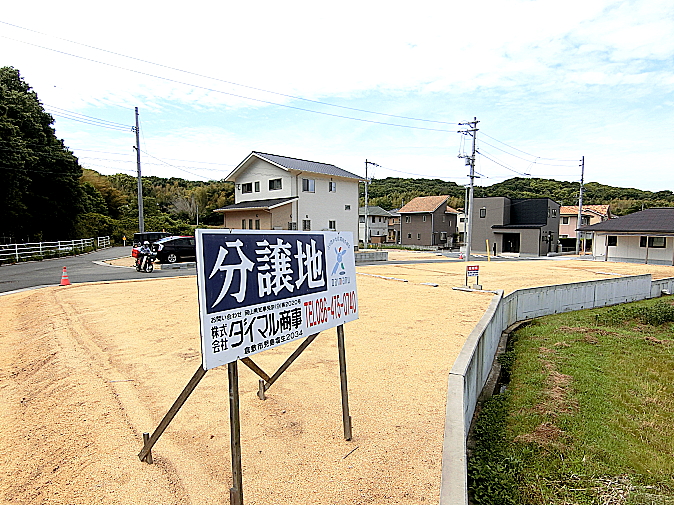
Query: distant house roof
x,y
424,204
658,220
373,210
295,164
572,210
452,210
258,204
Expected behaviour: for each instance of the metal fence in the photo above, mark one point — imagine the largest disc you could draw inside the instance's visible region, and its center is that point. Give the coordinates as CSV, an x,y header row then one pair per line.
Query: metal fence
x,y
41,250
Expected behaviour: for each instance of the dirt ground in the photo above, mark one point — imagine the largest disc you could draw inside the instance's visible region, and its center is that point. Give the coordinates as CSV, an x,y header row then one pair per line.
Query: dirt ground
x,y
86,369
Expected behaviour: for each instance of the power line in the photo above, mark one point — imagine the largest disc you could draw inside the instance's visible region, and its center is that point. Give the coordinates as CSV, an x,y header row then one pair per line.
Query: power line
x,y
227,93
76,116
225,81
174,166
524,152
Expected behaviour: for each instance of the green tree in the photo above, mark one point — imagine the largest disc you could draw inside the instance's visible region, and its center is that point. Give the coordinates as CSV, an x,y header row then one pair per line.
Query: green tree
x,y
40,196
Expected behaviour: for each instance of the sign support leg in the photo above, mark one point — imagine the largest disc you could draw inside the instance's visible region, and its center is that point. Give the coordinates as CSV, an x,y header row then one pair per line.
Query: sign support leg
x,y
346,418
236,491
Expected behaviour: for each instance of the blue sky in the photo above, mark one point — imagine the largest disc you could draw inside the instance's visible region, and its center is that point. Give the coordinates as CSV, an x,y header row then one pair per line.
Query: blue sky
x,y
549,82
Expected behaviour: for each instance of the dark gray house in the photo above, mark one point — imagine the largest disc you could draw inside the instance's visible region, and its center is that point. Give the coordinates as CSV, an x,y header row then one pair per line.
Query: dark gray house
x,y
427,221
522,226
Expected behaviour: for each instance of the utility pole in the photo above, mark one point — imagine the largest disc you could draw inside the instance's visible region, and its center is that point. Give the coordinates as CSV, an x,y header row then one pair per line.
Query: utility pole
x,y
580,205
470,160
366,239
141,218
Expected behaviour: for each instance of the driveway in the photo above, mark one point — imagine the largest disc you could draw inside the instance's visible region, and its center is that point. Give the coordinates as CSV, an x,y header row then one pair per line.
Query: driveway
x,y
83,268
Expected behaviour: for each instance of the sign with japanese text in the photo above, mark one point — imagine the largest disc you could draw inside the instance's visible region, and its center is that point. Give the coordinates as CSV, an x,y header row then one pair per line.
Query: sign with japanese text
x,y
262,288
472,270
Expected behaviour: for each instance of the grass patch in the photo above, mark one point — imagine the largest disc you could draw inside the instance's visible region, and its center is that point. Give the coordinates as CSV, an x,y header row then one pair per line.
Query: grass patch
x,y
589,413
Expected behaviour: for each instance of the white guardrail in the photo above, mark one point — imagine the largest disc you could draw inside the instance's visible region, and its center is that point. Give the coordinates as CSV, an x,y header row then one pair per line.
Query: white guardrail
x,y
473,365
39,250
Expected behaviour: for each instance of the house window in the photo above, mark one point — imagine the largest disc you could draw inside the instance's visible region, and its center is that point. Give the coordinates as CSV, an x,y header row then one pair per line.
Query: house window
x,y
483,212
243,224
306,224
332,225
361,219
257,186
462,220
247,187
308,185
274,184
424,219
374,219
554,212
585,220
657,242
347,207
332,187
409,235
612,240
443,236
418,236
443,218
257,224
565,220
408,219
292,226
250,224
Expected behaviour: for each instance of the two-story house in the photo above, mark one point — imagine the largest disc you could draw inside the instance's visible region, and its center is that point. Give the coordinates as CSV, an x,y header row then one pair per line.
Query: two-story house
x,y
281,193
521,226
592,214
377,224
393,227
427,221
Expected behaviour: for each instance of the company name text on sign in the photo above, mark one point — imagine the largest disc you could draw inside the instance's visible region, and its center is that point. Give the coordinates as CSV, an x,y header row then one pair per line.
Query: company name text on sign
x,y
260,289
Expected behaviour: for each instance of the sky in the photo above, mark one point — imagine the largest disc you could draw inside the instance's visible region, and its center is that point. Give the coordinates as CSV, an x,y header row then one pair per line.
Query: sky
x,y
549,82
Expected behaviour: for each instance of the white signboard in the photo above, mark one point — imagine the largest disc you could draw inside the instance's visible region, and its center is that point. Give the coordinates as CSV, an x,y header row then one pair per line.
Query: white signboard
x,y
262,288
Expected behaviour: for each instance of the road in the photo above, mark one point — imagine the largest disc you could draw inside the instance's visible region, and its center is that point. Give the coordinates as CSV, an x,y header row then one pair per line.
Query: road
x,y
81,268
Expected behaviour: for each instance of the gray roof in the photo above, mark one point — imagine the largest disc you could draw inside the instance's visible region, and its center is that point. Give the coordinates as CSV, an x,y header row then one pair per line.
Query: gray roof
x,y
373,210
258,204
307,166
658,220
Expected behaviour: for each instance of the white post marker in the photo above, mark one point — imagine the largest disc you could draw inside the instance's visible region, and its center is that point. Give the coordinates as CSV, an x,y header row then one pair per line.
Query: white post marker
x,y
259,289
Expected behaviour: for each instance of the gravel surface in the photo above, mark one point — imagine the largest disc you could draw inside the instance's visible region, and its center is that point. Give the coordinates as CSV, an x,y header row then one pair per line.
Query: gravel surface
x,y
86,369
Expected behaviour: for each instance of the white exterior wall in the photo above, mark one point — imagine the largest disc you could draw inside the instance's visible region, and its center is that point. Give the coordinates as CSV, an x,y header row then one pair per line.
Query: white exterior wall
x,y
629,250
376,229
323,206
262,172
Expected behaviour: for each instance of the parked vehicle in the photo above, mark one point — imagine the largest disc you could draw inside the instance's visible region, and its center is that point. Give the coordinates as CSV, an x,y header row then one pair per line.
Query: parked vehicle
x,y
150,236
173,249
145,262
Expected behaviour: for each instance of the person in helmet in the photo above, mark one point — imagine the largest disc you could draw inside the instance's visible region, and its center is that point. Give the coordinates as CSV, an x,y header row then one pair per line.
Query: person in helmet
x,y
144,252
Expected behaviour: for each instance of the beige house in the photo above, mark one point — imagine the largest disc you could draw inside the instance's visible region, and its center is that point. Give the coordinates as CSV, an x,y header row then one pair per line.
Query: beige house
x,y
280,193
568,223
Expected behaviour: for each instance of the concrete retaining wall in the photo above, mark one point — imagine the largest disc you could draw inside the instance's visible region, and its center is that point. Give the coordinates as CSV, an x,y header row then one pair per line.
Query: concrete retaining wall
x,y
368,256
472,366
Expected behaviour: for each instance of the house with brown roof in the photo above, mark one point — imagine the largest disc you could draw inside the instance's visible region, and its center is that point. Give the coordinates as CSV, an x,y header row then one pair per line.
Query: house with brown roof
x,y
592,214
646,236
428,221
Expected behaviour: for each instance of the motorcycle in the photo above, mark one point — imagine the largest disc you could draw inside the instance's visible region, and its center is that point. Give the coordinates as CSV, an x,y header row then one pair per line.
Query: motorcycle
x,y
145,262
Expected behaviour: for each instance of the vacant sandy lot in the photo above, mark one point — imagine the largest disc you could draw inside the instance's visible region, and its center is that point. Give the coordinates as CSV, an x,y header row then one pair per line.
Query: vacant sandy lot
x,y
86,369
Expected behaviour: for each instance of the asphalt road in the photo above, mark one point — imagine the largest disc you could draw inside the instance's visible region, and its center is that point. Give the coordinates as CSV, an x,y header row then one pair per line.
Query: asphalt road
x,y
80,269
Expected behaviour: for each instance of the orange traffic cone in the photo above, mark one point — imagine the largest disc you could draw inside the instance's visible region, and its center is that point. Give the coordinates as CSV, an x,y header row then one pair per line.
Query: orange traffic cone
x,y
64,278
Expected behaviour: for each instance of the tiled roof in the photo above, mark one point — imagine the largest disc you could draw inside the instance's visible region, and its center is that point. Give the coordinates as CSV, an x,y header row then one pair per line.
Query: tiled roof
x,y
659,220
602,210
373,210
452,210
307,166
257,204
424,204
